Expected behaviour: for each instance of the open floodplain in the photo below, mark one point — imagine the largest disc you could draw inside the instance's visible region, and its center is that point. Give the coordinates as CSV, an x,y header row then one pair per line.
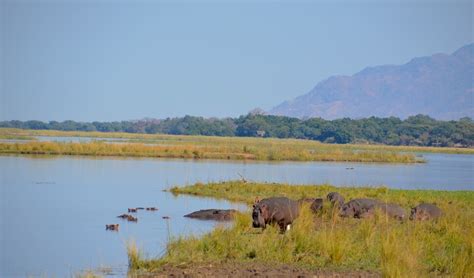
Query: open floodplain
x,y
55,208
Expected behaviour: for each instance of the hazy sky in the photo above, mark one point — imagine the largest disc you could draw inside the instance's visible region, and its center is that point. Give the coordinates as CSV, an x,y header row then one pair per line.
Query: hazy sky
x,y
119,60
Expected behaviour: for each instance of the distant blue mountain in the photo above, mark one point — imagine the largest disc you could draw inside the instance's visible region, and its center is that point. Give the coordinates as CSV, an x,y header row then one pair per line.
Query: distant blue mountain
x,y
441,86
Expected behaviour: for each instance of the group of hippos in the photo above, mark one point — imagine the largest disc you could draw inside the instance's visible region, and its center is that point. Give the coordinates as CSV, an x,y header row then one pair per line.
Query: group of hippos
x,y
128,217
283,211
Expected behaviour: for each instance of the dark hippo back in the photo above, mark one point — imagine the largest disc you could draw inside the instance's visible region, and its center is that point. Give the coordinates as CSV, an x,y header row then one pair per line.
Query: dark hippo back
x,y
276,210
358,207
213,214
425,211
336,199
393,210
389,209
316,204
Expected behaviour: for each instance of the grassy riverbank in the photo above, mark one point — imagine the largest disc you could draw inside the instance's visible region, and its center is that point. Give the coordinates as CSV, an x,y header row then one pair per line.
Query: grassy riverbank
x,y
325,241
265,152
238,142
6,136
201,147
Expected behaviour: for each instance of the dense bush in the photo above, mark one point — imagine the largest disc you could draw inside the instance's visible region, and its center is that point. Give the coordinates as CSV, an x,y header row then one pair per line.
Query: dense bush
x,y
419,130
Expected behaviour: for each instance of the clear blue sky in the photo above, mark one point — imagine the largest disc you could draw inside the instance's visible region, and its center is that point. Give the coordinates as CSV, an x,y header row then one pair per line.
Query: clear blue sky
x,y
101,60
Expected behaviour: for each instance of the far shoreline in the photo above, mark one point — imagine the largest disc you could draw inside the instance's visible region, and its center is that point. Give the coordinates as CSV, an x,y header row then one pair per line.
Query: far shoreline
x,y
30,134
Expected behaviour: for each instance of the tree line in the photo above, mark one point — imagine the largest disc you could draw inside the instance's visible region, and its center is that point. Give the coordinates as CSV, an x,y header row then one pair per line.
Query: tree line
x,y
419,130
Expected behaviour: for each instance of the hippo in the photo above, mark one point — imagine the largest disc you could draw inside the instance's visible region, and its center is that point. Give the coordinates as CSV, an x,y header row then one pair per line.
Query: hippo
x,y
316,204
132,219
152,209
213,214
336,199
276,210
123,216
132,210
112,227
357,207
425,211
389,209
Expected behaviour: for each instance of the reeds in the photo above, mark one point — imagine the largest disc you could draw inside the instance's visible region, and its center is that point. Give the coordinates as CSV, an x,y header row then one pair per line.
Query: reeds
x,y
243,144
260,150
15,137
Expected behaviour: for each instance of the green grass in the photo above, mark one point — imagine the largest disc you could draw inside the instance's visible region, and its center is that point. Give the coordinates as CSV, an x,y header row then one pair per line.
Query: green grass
x,y
16,137
239,143
266,152
326,241
197,147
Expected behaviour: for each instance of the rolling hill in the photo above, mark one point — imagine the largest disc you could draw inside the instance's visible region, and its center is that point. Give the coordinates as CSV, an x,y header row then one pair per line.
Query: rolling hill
x,y
441,86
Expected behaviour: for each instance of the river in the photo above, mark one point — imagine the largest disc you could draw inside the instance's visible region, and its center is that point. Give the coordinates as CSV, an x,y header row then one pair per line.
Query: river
x,y
54,209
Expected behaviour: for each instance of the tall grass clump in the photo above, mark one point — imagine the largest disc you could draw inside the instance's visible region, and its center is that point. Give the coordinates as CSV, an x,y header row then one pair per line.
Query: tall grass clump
x,y
136,259
399,253
134,256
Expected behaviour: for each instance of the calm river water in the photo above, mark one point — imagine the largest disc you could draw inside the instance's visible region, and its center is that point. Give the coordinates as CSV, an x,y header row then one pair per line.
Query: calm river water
x,y
54,210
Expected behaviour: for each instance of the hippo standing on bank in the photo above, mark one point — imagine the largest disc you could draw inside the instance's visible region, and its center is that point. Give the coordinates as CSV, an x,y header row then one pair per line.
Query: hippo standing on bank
x,y
389,209
336,199
425,211
357,208
276,210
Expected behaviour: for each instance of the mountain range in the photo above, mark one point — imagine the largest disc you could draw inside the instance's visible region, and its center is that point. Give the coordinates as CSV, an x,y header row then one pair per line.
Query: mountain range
x,y
441,86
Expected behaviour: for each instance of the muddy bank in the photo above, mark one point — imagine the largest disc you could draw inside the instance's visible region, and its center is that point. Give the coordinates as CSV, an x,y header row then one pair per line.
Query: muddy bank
x,y
249,270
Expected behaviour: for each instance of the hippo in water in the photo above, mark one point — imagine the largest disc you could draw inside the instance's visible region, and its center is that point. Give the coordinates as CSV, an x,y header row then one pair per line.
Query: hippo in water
x,y
425,212
336,199
357,208
112,227
132,219
276,210
316,204
389,209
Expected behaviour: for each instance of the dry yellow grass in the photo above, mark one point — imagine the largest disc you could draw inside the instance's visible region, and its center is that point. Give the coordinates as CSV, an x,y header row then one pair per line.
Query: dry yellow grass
x,y
144,145
264,152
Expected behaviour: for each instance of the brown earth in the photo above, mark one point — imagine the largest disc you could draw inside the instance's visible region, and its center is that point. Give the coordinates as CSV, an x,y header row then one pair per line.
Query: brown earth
x,y
249,270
